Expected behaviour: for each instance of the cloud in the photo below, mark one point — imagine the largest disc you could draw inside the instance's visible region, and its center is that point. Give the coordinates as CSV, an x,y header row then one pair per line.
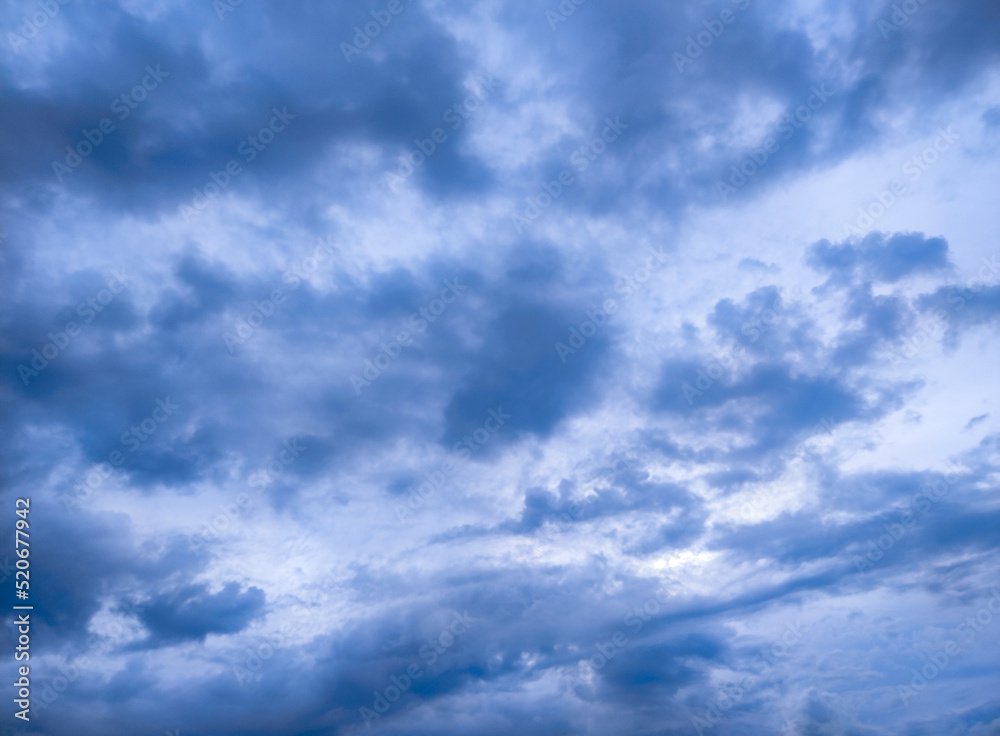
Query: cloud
x,y
695,449
879,259
192,613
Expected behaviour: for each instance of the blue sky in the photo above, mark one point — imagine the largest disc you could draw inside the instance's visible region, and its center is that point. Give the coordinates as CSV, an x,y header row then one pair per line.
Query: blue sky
x,y
415,367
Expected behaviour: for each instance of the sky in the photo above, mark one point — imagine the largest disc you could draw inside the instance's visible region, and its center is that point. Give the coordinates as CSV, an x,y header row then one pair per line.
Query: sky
x,y
415,367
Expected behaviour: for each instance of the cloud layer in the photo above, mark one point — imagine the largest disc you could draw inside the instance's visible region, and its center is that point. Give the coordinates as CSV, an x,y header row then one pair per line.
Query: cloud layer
x,y
581,368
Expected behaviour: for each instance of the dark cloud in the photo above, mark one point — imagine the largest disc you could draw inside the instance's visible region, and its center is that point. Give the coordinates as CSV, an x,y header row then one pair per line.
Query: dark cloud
x,y
880,259
192,613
